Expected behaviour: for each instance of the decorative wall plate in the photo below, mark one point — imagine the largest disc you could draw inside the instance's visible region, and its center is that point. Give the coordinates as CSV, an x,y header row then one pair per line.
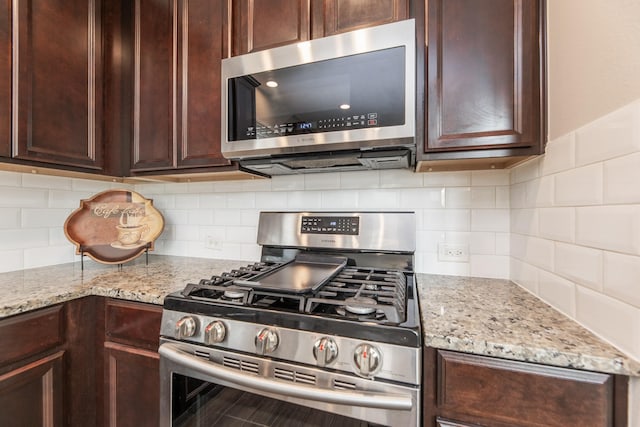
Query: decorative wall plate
x,y
114,226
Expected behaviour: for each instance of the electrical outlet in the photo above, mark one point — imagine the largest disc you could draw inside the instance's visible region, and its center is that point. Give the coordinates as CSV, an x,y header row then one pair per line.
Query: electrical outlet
x,y
455,252
211,242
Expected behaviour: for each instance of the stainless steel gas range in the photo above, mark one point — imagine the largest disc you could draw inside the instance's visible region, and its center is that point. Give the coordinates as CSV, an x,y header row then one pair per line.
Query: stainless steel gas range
x,y
324,330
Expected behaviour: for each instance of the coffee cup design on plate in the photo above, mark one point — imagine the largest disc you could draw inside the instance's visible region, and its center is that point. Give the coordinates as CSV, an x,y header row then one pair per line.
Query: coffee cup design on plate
x,y
130,231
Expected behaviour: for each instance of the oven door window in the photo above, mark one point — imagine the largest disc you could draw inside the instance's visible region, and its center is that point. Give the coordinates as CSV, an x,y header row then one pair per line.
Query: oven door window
x,y
200,404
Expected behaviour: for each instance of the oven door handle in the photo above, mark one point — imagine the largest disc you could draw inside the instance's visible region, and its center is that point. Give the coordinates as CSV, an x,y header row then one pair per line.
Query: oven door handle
x,y
173,353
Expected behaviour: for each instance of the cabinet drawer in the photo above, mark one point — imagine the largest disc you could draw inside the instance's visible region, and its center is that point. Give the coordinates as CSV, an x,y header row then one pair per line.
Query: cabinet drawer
x,y
31,333
133,323
523,394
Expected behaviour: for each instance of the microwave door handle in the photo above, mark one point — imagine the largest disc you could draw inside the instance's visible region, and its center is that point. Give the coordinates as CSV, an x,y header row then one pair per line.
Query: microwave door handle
x,y
173,353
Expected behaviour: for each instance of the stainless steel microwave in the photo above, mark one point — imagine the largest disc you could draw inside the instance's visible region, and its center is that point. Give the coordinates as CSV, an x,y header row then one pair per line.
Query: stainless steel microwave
x,y
342,102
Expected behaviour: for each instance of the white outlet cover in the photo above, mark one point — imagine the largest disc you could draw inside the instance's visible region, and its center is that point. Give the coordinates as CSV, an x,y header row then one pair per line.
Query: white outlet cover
x,y
453,252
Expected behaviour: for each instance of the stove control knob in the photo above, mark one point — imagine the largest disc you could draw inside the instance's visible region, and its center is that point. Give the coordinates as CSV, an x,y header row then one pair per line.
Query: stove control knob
x,y
325,350
215,332
186,327
266,341
367,360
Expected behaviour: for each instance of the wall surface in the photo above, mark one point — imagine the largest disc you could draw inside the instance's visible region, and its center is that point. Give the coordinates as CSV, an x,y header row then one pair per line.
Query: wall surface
x,y
33,209
594,60
471,208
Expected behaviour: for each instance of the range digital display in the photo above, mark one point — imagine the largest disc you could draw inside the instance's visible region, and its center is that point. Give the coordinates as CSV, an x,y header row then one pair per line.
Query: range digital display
x,y
347,225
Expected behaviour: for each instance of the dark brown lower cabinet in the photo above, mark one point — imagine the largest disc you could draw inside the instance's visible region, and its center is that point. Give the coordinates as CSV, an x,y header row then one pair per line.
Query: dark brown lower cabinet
x,y
131,363
468,390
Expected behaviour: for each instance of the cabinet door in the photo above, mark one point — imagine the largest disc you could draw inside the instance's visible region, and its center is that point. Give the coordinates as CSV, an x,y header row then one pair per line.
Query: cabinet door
x,y
154,92
31,395
483,78
260,24
201,47
132,387
5,78
339,16
58,71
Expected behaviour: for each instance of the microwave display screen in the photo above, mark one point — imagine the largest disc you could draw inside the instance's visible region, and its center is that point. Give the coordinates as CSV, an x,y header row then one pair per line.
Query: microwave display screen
x,y
360,91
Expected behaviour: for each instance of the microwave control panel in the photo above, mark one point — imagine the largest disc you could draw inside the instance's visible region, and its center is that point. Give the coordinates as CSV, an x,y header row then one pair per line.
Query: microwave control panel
x,y
348,225
356,121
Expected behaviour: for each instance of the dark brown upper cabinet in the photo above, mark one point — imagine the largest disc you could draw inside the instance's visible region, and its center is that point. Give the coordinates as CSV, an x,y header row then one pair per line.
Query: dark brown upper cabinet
x,y
259,25
57,82
177,50
339,16
5,78
484,83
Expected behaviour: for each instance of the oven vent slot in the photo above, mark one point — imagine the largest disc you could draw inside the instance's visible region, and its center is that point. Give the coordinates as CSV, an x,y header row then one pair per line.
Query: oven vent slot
x,y
202,354
240,365
343,385
294,377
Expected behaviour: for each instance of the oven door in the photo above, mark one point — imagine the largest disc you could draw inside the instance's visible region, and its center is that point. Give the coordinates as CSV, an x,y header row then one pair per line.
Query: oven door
x,y
200,386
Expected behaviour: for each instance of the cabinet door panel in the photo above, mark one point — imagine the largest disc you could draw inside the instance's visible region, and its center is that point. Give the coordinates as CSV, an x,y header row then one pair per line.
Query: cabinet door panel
x,y
32,395
264,24
201,49
346,15
5,78
132,386
516,393
483,74
59,80
133,323
155,22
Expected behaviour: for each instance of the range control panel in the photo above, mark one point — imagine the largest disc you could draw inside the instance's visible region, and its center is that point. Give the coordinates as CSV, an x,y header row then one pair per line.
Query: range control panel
x,y
349,225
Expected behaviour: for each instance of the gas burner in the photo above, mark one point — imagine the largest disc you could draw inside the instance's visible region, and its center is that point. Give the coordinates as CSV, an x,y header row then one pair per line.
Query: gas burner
x,y
360,305
234,294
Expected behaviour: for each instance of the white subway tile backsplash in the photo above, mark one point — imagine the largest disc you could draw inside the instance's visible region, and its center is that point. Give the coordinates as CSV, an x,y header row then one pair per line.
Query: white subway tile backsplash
x,y
610,318
176,216
622,277
490,220
431,263
187,232
57,237
359,180
539,252
46,181
339,200
518,196
11,260
503,245
613,135
494,266
526,171
380,199
559,156
23,197
446,179
10,179
427,241
38,257
67,199
524,274
241,200
423,198
150,189
490,177
539,192
10,218
187,201
558,292
225,217
34,218
615,228
483,197
249,217
304,200
503,197
23,238
271,201
524,221
212,201
579,187
241,234
199,217
447,219
92,187
287,183
200,187
321,181
622,179
399,178
483,243
579,264
557,224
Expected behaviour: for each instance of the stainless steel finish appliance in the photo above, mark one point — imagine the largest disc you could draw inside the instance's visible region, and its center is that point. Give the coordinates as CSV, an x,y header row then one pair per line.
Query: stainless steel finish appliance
x,y
343,102
325,327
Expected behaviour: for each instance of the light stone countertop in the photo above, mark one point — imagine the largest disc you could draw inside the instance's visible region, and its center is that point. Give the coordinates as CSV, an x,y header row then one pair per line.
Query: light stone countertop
x,y
481,316
497,318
